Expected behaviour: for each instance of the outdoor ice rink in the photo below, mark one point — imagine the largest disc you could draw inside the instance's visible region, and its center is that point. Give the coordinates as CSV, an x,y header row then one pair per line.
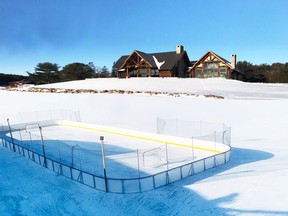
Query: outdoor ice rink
x,y
127,153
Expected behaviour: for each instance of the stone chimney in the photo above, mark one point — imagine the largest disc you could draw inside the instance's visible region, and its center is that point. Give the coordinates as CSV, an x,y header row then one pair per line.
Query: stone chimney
x,y
179,49
233,60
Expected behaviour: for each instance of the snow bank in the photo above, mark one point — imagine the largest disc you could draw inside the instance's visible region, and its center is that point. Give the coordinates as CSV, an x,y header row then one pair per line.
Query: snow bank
x,y
218,87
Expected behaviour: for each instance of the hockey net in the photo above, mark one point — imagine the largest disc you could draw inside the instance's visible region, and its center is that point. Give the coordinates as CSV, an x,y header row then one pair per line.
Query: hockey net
x,y
154,157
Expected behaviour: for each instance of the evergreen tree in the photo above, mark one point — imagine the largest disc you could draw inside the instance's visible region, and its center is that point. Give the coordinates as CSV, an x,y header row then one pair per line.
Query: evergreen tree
x,y
101,72
252,73
104,72
114,70
76,71
45,73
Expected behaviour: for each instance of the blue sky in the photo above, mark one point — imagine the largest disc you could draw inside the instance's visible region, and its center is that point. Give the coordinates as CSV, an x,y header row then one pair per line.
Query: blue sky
x,y
100,31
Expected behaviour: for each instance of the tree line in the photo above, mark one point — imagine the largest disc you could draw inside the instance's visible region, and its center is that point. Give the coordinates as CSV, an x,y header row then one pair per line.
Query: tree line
x,y
274,73
6,79
48,72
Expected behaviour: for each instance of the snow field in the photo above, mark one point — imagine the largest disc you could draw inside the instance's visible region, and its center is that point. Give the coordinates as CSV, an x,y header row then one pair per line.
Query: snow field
x,y
251,184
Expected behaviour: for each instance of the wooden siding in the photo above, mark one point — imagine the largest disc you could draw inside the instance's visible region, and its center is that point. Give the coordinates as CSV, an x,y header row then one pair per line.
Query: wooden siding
x,y
165,73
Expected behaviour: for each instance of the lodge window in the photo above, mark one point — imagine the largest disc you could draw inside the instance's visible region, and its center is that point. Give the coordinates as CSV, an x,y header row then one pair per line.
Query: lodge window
x,y
154,73
198,73
211,69
223,72
143,73
133,73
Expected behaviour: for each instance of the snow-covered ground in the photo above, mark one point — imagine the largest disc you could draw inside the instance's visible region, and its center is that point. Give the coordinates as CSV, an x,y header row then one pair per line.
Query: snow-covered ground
x,y
252,183
231,89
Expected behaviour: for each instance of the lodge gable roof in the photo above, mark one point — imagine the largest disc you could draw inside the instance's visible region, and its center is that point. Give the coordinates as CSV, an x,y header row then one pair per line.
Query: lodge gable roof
x,y
161,61
208,56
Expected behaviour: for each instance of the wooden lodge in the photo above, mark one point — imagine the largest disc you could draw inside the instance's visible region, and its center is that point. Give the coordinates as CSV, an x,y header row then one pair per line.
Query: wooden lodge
x,y
176,64
165,64
212,65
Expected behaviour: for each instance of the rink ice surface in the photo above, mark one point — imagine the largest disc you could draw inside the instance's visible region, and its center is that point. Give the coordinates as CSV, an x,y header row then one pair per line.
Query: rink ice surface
x,y
127,155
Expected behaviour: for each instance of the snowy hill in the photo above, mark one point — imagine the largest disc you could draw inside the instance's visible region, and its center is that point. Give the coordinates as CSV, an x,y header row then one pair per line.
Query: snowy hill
x,y
252,183
229,89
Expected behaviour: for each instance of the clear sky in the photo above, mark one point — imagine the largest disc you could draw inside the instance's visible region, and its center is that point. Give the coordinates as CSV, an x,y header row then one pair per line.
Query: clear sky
x,y
100,31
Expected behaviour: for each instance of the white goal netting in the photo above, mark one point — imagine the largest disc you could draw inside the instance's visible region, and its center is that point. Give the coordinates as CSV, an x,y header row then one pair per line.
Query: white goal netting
x,y
154,157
